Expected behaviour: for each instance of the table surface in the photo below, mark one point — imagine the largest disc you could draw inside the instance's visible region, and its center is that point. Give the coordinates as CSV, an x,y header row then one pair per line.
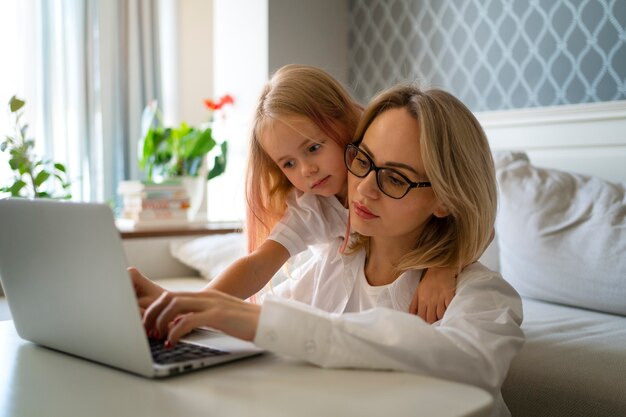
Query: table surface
x,y
36,381
189,229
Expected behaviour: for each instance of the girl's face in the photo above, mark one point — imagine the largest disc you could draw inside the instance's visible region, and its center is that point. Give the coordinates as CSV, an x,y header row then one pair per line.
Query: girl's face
x,y
310,160
392,141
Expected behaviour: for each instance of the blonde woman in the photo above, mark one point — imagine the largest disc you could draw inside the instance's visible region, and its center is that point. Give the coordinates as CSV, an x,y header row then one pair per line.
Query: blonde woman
x,y
421,193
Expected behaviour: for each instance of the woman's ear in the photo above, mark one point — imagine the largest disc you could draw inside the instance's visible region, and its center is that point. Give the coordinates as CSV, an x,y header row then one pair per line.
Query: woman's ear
x,y
441,211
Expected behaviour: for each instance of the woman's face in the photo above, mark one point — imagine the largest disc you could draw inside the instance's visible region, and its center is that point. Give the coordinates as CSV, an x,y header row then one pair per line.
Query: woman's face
x,y
392,141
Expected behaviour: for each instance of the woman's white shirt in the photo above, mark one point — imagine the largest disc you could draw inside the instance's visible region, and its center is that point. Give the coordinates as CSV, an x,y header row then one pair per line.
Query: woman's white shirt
x,y
324,317
474,343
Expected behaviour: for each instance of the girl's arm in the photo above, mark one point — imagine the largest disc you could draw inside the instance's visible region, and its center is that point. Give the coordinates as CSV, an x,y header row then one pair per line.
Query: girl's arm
x,y
434,293
309,219
436,290
249,274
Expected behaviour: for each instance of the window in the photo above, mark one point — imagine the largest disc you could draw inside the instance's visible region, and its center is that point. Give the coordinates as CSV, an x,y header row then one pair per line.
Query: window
x,y
18,54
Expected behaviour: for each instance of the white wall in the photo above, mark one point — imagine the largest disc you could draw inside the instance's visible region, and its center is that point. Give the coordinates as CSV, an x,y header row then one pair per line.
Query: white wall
x,y
187,59
250,39
240,69
309,32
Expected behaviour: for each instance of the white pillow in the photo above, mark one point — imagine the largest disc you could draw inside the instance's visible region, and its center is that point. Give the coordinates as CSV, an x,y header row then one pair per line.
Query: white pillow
x,y
561,236
210,255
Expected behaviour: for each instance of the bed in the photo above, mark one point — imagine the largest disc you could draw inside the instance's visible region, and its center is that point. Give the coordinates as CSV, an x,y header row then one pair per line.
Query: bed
x,y
561,241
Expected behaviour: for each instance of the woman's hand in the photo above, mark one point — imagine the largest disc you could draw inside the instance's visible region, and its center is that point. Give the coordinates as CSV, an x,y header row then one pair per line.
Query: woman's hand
x,y
146,291
173,315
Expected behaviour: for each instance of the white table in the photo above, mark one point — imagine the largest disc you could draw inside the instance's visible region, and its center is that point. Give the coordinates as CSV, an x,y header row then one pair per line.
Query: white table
x,y
36,381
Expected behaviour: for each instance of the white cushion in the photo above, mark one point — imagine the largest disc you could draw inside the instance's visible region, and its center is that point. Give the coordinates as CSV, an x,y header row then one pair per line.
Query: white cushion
x,y
210,255
562,236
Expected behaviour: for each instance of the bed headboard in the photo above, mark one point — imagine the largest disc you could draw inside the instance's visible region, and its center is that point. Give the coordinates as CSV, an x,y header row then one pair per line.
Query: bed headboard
x,y
584,138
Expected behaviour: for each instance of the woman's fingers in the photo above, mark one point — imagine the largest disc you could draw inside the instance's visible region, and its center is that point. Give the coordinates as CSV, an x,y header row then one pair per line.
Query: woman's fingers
x,y
183,325
153,311
172,308
173,315
181,306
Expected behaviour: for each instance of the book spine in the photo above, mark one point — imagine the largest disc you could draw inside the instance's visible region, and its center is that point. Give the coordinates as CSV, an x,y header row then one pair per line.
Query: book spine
x,y
155,214
139,204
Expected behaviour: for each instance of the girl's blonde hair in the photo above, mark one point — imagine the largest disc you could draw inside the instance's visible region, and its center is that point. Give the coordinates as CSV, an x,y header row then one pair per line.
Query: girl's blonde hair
x,y
459,165
293,90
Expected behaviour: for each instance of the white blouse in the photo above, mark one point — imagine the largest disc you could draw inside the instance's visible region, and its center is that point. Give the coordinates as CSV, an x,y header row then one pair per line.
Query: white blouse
x,y
322,317
474,343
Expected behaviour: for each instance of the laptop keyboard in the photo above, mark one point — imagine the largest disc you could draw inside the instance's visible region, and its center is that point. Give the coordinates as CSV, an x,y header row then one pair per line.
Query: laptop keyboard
x,y
181,352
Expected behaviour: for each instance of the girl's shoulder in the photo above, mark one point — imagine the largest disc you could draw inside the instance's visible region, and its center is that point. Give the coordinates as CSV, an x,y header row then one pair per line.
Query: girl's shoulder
x,y
314,207
296,199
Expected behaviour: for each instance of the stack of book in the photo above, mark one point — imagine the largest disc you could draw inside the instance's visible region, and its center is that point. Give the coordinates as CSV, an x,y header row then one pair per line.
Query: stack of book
x,y
147,204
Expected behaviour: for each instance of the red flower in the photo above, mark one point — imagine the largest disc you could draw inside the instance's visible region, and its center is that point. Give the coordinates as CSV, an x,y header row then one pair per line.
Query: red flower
x,y
227,99
212,105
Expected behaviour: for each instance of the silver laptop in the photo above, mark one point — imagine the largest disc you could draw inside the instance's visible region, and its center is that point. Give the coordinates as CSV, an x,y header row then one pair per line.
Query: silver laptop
x,y
63,271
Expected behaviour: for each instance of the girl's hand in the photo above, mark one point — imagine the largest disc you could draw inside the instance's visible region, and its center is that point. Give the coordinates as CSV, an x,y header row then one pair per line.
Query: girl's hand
x,y
434,294
173,315
146,291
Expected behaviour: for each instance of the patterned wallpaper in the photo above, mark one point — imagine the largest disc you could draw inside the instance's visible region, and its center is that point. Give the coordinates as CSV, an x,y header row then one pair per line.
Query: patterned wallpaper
x,y
492,54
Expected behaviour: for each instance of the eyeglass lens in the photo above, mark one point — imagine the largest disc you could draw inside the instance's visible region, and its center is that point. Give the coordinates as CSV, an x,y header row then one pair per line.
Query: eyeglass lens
x,y
389,181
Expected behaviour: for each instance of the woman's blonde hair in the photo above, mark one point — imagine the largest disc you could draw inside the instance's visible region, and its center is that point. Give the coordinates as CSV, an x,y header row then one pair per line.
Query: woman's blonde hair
x,y
293,90
459,165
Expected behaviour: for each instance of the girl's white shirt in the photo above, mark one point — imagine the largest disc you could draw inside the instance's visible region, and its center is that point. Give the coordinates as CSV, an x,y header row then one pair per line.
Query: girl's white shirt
x,y
327,316
309,220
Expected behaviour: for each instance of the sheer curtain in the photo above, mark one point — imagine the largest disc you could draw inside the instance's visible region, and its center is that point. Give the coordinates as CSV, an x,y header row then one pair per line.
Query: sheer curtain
x,y
99,67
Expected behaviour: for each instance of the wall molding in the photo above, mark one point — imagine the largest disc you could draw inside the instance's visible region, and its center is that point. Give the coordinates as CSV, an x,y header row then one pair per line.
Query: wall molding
x,y
609,110
586,138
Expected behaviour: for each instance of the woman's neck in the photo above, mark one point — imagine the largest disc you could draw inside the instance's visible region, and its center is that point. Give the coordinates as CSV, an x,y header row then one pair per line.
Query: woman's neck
x,y
381,261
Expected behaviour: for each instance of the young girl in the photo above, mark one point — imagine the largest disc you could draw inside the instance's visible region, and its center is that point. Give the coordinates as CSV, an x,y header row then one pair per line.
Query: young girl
x,y
304,120
421,193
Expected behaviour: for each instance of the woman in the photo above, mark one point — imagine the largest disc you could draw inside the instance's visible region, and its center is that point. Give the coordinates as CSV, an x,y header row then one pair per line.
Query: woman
x,y
421,194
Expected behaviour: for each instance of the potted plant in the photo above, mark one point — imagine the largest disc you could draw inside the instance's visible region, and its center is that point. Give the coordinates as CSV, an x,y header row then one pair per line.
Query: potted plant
x,y
33,176
182,152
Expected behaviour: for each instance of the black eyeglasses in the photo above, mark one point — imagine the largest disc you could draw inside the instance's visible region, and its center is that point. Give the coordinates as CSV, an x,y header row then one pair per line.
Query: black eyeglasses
x,y
390,181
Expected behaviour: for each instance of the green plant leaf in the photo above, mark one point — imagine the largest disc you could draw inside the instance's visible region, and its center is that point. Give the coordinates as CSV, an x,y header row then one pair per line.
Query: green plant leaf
x,y
176,151
187,143
204,143
41,178
23,131
219,164
16,188
15,104
59,167
148,148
